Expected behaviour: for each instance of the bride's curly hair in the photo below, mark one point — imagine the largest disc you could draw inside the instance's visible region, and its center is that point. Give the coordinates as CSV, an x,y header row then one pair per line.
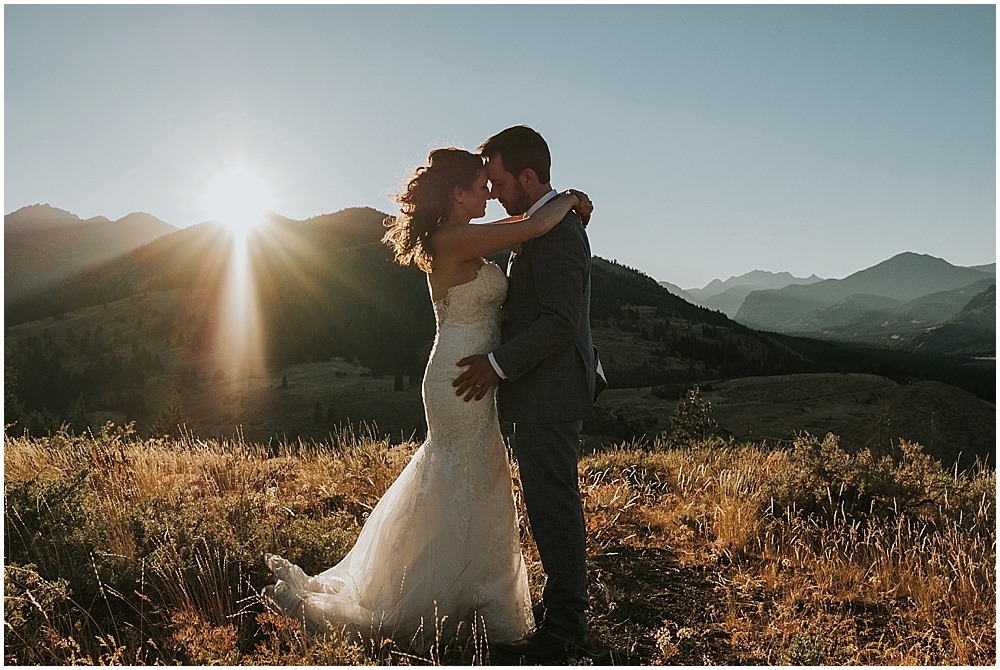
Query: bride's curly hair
x,y
426,201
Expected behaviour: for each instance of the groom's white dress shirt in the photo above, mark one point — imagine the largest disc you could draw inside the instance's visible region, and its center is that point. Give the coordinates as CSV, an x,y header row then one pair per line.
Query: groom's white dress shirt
x,y
531,210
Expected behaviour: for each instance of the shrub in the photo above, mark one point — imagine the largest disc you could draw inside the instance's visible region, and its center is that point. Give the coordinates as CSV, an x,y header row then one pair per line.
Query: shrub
x,y
171,418
692,421
33,607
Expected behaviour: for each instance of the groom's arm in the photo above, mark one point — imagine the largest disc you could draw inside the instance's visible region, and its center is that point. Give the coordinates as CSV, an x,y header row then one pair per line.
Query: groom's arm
x,y
559,268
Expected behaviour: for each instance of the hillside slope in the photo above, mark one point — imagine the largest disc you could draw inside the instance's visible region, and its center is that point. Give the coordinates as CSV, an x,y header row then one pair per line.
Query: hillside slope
x,y
680,293
884,322
971,332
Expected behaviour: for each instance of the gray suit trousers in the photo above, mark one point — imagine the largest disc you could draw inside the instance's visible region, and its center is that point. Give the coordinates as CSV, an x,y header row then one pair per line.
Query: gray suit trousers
x,y
547,455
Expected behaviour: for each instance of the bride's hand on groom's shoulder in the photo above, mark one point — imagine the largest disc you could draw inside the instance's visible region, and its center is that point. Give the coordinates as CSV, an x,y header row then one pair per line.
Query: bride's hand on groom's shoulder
x,y
585,208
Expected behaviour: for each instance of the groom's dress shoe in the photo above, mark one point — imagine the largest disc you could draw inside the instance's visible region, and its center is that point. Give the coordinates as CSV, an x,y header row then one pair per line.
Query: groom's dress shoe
x,y
545,643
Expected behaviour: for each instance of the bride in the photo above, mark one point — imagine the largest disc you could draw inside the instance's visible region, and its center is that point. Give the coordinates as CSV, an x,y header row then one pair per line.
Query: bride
x,y
442,545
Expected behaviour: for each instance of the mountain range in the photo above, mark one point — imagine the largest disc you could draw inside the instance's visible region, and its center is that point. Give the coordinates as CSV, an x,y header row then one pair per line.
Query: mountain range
x,y
727,296
43,245
127,332
896,304
889,304
759,278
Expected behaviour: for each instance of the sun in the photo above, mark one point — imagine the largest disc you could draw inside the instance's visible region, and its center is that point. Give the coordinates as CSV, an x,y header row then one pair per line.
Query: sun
x,y
239,197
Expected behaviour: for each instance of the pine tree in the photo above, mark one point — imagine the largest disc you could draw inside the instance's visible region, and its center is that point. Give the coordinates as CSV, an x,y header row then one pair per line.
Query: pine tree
x,y
171,416
13,408
284,381
692,420
79,419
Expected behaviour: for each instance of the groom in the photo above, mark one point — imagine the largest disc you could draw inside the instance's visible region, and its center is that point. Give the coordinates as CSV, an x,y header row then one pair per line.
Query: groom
x,y
547,366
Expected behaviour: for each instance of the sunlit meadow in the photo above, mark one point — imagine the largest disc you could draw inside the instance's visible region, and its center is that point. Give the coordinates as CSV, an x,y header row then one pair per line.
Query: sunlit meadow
x,y
124,550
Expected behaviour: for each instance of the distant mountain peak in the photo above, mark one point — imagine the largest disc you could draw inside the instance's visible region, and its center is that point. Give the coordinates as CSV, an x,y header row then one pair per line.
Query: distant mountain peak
x,y
757,279
142,218
922,267
748,277
38,216
913,257
47,216
42,211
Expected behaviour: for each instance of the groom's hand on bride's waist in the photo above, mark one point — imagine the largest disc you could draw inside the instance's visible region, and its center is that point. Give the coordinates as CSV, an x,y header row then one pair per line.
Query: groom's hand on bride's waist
x,y
477,380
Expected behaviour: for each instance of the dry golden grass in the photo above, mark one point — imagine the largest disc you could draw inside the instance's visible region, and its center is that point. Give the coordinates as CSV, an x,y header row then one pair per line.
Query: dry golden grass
x,y
817,556
128,551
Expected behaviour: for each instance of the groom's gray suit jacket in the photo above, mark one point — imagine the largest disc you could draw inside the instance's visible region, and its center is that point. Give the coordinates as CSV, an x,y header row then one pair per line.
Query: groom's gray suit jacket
x,y
547,350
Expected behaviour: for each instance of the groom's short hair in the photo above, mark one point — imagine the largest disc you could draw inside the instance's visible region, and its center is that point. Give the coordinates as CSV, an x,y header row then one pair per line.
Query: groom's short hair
x,y
520,148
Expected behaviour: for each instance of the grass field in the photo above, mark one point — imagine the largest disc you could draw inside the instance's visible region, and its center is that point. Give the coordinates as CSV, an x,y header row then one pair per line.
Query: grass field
x,y
125,550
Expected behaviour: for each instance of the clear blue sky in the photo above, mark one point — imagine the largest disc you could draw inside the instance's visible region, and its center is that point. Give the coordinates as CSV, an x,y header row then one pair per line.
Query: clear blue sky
x,y
714,140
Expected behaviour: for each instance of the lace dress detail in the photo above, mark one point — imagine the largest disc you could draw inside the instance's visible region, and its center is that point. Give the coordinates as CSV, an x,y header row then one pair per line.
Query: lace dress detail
x,y
443,541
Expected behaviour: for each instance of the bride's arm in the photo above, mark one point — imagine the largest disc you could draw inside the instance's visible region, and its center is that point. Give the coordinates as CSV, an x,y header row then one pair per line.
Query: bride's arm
x,y
583,209
509,219
473,241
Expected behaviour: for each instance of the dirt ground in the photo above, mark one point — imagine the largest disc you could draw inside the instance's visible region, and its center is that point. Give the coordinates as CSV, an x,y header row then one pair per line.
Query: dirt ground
x,y
656,607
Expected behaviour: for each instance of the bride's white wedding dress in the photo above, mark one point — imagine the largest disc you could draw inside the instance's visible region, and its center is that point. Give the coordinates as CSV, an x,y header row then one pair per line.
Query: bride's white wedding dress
x,y
443,541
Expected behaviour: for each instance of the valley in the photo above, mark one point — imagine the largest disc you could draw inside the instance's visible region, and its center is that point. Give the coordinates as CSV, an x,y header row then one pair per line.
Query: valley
x,y
865,411
346,333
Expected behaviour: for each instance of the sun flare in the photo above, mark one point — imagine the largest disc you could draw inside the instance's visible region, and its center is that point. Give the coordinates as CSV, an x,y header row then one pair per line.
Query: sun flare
x,y
239,197
239,345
